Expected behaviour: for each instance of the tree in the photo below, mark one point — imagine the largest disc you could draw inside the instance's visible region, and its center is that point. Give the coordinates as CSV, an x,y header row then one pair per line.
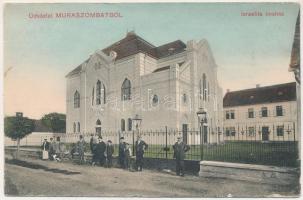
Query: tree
x,y
17,128
55,121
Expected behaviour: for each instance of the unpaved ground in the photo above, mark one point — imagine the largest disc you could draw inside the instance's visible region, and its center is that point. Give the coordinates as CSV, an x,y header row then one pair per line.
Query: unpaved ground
x,y
45,178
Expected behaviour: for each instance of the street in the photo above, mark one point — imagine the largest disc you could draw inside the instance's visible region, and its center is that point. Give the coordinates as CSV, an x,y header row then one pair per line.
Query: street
x,y
32,177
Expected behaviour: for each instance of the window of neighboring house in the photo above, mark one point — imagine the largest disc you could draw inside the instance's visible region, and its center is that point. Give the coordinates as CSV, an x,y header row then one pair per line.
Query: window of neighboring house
x,y
280,130
264,112
122,125
76,99
227,132
251,113
232,131
78,130
126,90
279,111
251,131
232,114
130,123
227,115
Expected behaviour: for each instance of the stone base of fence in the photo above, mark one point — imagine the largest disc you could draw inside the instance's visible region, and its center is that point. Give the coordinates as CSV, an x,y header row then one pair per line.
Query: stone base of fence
x,y
249,172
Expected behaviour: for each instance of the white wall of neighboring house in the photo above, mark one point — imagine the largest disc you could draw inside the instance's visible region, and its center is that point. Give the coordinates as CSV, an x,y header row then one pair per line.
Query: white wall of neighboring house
x,y
242,122
33,139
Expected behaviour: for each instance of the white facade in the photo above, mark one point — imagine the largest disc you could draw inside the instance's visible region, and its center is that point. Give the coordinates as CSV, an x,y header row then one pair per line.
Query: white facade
x,y
247,126
177,89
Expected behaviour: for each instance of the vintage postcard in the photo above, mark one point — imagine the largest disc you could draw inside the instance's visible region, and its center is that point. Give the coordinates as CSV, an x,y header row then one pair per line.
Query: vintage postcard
x,y
151,99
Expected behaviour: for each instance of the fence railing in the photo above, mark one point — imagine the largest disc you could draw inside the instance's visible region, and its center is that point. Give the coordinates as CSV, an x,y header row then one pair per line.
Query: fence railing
x,y
238,145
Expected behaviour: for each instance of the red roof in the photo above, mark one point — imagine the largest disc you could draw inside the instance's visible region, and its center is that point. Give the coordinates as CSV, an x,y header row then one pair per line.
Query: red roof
x,y
269,94
133,44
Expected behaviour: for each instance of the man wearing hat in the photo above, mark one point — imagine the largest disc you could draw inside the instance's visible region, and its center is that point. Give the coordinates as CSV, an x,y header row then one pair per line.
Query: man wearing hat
x,y
180,148
140,147
122,147
109,153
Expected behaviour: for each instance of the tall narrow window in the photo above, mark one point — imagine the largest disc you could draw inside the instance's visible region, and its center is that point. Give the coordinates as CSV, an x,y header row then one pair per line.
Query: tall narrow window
x,y
93,96
122,125
126,90
100,93
208,91
76,99
78,130
130,123
204,87
74,128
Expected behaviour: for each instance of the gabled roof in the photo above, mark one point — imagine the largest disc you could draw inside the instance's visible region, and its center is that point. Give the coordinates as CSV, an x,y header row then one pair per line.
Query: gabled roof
x,y
130,45
133,44
269,94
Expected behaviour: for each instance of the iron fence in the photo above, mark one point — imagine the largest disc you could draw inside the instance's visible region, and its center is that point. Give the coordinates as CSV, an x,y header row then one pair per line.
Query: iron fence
x,y
274,145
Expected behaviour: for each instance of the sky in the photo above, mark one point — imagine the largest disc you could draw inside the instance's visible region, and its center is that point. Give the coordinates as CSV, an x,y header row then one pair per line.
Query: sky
x,y
38,53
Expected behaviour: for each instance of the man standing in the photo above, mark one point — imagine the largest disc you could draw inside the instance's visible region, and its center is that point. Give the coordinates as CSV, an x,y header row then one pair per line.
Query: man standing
x,y
180,148
109,153
122,147
51,151
140,147
100,151
81,147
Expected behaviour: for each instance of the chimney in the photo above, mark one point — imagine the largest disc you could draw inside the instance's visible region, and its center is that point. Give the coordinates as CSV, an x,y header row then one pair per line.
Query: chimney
x,y
258,85
19,114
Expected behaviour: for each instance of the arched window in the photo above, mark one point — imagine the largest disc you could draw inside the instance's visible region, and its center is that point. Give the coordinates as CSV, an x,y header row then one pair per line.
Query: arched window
x,y
184,98
76,99
155,100
122,125
74,128
204,87
100,93
98,127
78,130
93,96
130,123
126,90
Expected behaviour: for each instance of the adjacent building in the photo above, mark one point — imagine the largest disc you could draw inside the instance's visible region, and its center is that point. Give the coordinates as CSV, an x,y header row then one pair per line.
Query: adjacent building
x,y
262,113
164,85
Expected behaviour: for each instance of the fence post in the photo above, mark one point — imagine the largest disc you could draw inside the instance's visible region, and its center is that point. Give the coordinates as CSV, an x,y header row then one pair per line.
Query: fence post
x,y
166,142
201,141
133,143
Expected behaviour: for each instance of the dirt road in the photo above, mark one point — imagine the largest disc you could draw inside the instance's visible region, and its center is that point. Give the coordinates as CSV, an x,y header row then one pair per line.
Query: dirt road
x,y
45,178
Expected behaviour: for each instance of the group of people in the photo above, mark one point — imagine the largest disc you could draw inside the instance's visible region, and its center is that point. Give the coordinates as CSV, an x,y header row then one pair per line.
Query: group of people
x,y
125,153
103,152
52,149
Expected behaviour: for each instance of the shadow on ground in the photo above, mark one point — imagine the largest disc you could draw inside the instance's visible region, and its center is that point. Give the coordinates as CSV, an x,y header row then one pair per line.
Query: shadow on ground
x,y
37,166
